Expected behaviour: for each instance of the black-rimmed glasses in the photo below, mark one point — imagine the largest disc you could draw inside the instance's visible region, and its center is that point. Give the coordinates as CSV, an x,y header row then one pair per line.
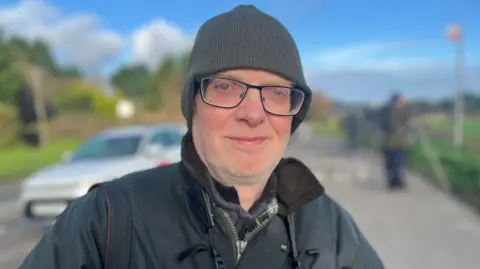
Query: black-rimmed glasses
x,y
229,93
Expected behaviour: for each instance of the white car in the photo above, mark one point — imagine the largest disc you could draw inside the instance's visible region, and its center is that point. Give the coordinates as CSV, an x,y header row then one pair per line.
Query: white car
x,y
106,156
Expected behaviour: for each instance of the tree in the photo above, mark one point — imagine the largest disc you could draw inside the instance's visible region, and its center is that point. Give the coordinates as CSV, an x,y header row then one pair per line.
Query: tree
x,y
158,83
10,77
320,108
472,101
133,80
39,54
164,71
19,47
69,72
184,60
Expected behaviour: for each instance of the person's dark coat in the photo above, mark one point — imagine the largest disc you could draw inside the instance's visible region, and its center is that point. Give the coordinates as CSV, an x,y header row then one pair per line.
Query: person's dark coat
x,y
171,222
352,126
398,128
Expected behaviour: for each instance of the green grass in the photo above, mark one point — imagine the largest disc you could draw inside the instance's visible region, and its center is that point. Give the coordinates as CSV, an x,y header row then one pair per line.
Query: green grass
x,y
442,133
332,130
17,162
471,126
463,171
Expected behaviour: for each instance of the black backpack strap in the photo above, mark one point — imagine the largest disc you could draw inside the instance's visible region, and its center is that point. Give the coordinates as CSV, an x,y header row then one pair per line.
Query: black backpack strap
x,y
117,252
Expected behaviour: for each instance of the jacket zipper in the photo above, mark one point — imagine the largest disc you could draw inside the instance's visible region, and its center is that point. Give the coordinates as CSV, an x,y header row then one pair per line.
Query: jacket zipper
x,y
240,245
236,248
260,226
229,220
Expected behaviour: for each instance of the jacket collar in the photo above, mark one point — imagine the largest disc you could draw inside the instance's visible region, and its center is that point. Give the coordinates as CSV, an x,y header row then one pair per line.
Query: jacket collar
x,y
296,184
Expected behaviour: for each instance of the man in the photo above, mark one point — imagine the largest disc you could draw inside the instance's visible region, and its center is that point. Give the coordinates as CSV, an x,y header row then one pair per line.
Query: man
x,y
352,122
398,134
232,202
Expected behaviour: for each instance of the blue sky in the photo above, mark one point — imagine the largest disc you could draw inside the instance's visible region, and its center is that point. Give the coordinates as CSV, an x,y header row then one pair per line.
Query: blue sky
x,y
354,50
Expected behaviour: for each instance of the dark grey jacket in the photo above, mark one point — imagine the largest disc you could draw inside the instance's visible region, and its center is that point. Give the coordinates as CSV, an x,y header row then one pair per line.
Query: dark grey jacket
x,y
163,218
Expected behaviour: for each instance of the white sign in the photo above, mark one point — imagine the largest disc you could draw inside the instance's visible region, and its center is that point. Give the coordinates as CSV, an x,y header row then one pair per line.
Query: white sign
x,y
125,109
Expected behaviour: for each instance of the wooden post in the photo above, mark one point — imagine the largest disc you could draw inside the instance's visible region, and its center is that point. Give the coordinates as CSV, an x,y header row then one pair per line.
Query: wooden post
x,y
40,106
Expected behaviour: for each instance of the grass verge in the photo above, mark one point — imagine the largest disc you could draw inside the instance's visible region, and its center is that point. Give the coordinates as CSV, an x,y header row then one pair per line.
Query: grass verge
x,y
17,162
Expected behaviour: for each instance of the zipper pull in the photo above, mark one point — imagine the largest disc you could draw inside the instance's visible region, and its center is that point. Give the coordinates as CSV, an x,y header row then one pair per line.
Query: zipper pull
x,y
219,262
295,263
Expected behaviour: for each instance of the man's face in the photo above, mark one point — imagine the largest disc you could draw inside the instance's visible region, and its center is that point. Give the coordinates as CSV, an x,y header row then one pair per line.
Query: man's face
x,y
401,101
240,145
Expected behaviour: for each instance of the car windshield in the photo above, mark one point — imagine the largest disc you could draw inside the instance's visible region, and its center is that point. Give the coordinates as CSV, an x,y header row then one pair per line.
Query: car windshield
x,y
108,147
166,138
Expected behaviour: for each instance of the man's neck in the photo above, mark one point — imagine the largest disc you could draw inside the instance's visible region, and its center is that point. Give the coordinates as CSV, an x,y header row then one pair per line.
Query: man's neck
x,y
248,195
243,195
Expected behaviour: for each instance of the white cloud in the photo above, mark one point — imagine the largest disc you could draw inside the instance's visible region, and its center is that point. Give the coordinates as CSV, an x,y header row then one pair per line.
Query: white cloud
x,y
370,71
369,56
348,54
80,39
158,39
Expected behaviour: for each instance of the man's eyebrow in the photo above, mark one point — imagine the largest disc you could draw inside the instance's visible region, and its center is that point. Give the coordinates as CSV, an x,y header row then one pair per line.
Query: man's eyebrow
x,y
228,76
286,83
283,84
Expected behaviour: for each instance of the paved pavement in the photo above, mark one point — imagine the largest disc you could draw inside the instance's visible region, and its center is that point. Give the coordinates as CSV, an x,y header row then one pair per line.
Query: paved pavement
x,y
15,240
419,229
422,228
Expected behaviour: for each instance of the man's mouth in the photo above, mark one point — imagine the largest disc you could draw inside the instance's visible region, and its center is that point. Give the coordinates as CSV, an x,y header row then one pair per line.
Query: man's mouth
x,y
248,140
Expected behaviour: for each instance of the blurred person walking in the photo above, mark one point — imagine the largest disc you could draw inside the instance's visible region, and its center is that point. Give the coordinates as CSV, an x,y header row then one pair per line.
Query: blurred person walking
x,y
352,128
233,201
397,139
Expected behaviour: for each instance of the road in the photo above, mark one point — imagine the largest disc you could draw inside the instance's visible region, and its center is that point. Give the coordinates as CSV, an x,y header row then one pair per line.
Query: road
x,y
422,228
15,241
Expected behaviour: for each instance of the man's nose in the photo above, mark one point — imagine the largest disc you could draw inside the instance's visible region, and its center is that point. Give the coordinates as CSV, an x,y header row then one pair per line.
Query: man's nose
x,y
251,109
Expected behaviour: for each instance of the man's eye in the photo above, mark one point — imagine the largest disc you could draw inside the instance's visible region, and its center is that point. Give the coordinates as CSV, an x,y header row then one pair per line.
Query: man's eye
x,y
281,92
224,86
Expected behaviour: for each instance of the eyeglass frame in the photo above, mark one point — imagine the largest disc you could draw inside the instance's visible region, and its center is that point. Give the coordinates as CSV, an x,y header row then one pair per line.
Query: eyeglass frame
x,y
199,79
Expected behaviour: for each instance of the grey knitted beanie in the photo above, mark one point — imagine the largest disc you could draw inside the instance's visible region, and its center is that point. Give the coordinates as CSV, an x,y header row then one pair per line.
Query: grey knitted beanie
x,y
244,37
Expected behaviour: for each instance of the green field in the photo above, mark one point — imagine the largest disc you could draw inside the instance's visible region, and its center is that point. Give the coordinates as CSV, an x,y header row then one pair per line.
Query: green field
x,y
17,162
